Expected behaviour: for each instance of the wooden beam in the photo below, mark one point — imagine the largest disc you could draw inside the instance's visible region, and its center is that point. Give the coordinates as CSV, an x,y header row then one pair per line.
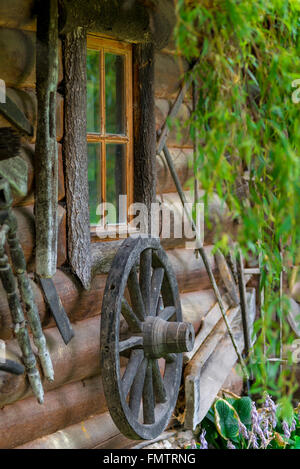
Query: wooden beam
x,y
46,159
144,125
75,155
133,21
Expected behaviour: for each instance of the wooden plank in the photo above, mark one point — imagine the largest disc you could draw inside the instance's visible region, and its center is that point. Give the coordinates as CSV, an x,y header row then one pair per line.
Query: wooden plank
x,y
228,278
210,320
212,363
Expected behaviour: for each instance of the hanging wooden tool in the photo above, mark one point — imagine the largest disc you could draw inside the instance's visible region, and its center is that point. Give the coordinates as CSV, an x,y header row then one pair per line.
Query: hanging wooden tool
x,y
8,233
14,115
46,159
57,309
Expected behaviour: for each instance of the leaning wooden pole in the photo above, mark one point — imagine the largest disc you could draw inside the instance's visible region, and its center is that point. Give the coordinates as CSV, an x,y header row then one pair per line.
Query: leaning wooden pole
x,y
205,259
46,159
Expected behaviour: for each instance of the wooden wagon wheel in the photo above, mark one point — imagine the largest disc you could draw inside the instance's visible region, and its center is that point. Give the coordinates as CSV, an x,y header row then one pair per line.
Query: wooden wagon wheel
x,y
142,339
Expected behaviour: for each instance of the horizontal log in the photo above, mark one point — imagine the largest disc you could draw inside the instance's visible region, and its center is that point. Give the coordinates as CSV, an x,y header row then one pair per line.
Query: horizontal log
x,y
27,420
88,434
27,153
182,159
179,131
17,57
98,432
190,272
219,221
169,71
25,99
77,302
135,22
80,304
17,52
26,234
78,360
16,13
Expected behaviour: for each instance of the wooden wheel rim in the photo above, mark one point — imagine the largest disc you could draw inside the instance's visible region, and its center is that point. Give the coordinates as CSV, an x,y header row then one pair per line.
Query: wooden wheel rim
x,y
122,415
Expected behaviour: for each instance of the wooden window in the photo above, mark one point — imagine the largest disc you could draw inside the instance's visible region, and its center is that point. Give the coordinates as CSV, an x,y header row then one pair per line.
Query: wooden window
x,y
109,127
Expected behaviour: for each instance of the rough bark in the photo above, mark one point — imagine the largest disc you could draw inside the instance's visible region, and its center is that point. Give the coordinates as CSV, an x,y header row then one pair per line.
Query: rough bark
x,y
144,126
75,155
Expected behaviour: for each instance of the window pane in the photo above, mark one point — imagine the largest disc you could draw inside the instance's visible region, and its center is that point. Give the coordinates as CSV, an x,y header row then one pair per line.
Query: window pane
x,y
116,180
93,91
114,94
94,178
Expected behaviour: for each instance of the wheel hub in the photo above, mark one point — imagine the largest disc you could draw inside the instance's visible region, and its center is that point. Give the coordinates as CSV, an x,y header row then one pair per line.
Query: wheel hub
x,y
162,337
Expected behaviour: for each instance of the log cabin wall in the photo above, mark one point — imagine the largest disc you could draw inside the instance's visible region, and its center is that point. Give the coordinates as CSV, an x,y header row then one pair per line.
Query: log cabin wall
x,y
74,414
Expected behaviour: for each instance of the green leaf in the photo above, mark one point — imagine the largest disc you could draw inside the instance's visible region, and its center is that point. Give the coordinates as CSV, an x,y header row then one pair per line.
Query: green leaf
x,y
243,406
227,420
296,444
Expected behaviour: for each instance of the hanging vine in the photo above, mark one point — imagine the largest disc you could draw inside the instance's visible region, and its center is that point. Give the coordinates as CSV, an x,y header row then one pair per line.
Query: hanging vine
x,y
247,125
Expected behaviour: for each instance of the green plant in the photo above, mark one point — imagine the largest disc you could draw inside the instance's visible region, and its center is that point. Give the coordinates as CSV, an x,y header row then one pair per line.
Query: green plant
x,y
235,423
247,126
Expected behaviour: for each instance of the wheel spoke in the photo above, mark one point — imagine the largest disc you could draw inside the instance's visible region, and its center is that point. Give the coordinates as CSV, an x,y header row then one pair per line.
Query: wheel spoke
x,y
159,388
145,278
136,295
148,396
135,360
130,343
131,319
167,313
137,387
156,282
160,306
